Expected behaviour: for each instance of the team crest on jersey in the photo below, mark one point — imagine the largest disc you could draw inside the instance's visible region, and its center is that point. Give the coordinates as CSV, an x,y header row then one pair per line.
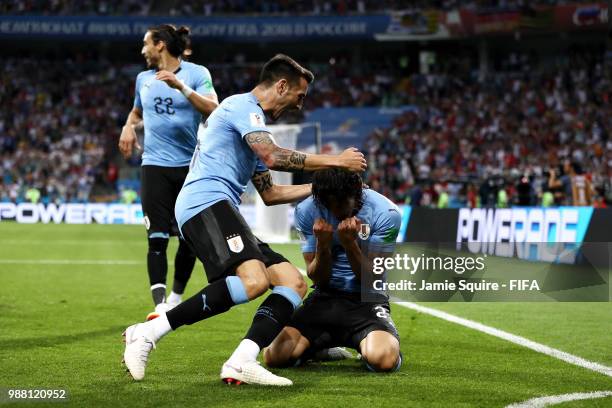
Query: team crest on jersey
x,y
257,119
235,244
364,231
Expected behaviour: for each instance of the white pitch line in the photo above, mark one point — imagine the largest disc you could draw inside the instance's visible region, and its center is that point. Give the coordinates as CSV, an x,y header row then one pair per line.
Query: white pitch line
x,y
69,241
68,262
541,402
521,341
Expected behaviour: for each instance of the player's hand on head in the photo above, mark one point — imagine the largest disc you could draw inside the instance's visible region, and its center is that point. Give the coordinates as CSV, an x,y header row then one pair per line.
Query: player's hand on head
x,y
127,141
323,231
169,78
353,160
348,229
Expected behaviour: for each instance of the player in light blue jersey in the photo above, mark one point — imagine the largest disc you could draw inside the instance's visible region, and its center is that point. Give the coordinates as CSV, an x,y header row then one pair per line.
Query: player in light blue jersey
x,y
236,146
343,228
169,102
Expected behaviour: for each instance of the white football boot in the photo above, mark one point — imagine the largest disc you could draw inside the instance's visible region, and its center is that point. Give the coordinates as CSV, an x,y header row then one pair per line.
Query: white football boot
x,y
251,372
138,344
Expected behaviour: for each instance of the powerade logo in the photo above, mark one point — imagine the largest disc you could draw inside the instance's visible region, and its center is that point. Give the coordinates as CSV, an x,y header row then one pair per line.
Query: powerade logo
x,y
29,213
536,234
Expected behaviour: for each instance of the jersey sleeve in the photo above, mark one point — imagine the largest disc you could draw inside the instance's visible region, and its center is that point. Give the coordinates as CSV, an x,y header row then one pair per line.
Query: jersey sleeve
x,y
304,222
204,84
384,232
248,120
137,101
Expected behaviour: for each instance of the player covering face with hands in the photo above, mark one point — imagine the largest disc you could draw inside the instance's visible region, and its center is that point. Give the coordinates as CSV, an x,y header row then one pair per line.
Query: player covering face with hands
x,y
234,146
343,228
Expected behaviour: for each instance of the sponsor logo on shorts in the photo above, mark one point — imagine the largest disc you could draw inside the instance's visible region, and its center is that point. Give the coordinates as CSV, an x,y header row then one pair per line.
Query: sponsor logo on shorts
x,y
235,243
364,231
147,222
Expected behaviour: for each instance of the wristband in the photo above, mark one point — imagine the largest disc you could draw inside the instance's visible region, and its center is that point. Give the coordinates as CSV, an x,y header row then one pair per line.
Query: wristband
x,y
186,91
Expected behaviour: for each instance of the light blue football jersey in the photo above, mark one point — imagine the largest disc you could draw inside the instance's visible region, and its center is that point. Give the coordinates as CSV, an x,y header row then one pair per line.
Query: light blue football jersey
x,y
380,219
170,120
223,162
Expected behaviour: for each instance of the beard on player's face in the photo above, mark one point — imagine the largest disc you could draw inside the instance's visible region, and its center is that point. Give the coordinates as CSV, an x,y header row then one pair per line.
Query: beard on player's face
x,y
152,61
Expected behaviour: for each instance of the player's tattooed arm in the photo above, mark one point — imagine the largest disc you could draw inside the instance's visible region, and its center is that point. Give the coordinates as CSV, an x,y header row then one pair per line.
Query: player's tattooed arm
x,y
278,158
275,157
273,194
262,181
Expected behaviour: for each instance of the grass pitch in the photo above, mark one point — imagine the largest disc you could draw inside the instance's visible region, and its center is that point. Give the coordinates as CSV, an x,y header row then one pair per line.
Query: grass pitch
x,y
69,291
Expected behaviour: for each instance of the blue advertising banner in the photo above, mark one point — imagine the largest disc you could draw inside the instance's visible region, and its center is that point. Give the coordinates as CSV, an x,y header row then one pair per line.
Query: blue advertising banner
x,y
236,29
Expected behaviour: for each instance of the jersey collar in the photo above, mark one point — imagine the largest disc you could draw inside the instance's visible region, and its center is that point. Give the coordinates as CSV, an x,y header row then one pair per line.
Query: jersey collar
x,y
177,70
254,99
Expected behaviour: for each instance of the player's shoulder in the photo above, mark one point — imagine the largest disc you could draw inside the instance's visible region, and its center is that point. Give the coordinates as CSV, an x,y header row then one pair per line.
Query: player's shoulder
x,y
242,102
142,75
306,204
305,209
382,209
190,66
379,201
145,73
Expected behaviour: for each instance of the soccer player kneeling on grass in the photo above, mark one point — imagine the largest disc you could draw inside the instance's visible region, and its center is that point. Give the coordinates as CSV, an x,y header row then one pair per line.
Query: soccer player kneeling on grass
x,y
343,228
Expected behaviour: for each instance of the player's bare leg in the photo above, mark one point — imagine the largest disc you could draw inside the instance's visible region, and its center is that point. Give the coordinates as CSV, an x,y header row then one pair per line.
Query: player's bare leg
x,y
285,274
381,351
286,348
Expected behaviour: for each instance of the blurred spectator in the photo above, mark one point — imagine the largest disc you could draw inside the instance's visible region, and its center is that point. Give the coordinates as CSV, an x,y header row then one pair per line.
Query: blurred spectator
x,y
517,121
190,8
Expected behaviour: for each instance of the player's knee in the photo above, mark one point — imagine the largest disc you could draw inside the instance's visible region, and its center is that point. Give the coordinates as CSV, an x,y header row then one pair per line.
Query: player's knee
x,y
382,359
300,286
255,281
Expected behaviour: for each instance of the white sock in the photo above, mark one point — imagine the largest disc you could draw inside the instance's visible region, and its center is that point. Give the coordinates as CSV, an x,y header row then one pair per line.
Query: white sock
x,y
160,327
247,350
175,298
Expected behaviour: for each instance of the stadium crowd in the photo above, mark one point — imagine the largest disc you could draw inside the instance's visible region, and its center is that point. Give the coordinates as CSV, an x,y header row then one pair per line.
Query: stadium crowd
x,y
58,125
471,141
515,137
189,8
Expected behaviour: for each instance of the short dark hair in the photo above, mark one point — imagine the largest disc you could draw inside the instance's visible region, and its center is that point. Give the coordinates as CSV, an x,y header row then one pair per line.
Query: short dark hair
x,y
281,66
577,168
177,40
331,185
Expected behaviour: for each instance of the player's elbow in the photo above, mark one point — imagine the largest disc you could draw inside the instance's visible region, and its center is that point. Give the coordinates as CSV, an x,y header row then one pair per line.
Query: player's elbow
x,y
269,160
271,196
